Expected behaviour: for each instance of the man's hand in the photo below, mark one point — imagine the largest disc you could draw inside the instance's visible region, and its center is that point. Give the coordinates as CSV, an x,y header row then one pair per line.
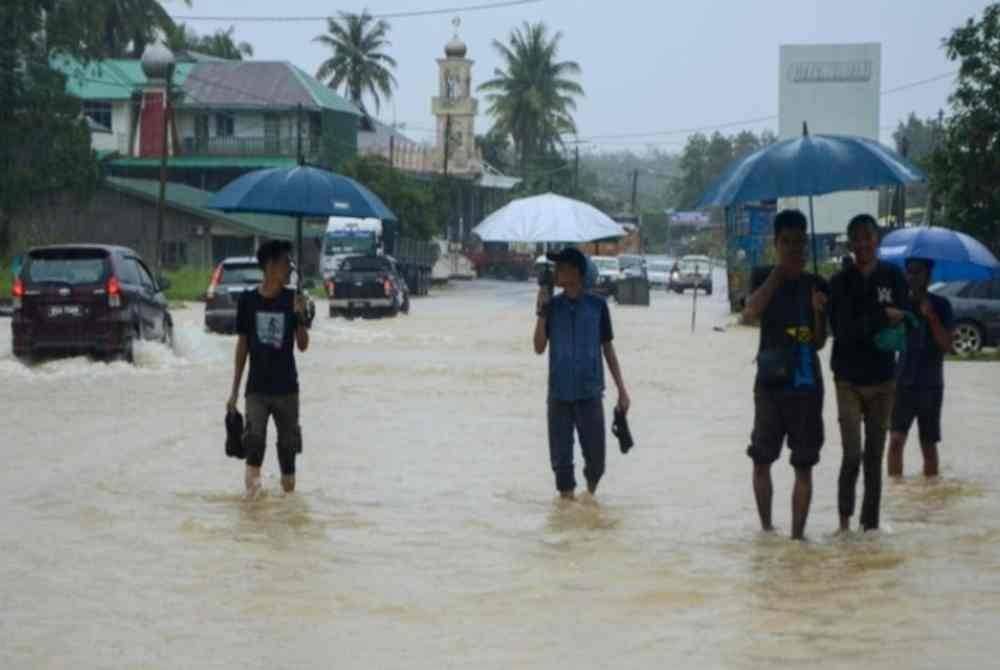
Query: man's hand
x,y
894,315
819,301
231,404
542,302
927,310
624,401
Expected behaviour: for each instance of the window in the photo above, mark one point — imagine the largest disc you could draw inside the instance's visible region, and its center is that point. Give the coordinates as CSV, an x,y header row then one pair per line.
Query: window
x,y
225,124
99,112
144,277
201,129
980,290
129,272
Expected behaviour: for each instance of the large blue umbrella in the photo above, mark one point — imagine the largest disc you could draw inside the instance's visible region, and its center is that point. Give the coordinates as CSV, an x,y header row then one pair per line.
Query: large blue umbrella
x,y
299,192
808,166
956,256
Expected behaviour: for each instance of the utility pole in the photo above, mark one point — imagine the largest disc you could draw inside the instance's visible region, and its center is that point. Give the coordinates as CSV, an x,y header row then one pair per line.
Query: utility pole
x,y
635,190
576,170
392,149
163,169
298,135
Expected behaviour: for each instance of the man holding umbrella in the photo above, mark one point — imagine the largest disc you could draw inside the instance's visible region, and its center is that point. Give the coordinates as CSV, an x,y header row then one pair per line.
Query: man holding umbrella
x,y
575,327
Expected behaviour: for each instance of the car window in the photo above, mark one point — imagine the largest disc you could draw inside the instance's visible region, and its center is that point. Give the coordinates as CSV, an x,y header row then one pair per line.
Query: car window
x,y
128,271
144,277
980,290
66,266
996,289
241,273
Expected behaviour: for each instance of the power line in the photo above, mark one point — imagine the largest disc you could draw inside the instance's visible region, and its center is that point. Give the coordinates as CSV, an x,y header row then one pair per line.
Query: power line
x,y
387,15
748,122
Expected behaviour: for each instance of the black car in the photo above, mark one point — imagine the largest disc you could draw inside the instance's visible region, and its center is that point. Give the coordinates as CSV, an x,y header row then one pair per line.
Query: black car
x,y
368,286
976,305
691,272
87,299
230,279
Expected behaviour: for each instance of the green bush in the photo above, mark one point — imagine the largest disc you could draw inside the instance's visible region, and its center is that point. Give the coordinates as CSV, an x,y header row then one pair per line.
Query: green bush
x,y
187,284
6,279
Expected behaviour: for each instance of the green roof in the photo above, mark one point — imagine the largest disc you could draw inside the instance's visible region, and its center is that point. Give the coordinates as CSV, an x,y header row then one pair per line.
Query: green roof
x,y
194,200
112,79
324,96
219,162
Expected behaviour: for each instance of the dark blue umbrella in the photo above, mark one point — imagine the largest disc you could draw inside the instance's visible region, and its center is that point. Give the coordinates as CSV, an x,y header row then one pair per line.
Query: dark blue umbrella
x,y
956,256
299,192
808,166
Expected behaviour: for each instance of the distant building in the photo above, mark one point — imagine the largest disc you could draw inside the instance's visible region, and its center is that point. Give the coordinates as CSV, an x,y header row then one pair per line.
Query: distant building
x,y
836,90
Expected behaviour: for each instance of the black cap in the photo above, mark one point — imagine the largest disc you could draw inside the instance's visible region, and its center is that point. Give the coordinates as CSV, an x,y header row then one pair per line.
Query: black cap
x,y
571,256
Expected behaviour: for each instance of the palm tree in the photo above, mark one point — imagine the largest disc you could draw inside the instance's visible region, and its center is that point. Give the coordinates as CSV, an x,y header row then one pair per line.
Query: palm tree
x,y
358,62
533,98
129,25
221,43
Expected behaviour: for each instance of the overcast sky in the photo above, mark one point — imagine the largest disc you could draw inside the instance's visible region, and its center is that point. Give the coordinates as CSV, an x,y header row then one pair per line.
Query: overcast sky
x,y
648,65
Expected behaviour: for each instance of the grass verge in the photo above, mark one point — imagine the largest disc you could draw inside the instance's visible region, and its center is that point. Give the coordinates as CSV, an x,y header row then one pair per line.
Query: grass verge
x,y
986,355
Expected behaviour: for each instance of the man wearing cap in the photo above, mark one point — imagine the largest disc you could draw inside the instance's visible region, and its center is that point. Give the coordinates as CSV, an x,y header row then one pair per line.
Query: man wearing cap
x,y
575,327
920,374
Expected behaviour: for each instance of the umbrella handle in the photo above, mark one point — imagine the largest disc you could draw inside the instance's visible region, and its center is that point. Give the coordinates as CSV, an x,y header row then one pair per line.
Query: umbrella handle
x,y
812,226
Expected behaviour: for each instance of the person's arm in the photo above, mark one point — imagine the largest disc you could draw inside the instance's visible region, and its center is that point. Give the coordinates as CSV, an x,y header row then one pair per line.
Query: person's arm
x,y
541,338
611,356
301,332
819,301
762,295
940,326
239,363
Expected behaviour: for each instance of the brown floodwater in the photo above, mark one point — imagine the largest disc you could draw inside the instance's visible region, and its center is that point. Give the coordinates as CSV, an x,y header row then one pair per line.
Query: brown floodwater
x,y
425,531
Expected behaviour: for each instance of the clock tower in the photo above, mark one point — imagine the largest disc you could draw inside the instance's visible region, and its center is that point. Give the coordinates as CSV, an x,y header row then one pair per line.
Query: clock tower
x,y
455,109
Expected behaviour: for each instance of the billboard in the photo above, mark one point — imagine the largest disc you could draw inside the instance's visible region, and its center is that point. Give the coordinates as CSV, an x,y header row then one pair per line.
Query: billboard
x,y
836,90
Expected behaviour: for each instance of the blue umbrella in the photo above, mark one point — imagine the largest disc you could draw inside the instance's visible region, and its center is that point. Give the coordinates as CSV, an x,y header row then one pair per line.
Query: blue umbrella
x,y
298,192
956,255
808,166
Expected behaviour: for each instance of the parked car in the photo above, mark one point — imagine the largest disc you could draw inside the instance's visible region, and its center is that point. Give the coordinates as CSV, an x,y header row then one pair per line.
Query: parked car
x,y
691,272
609,271
658,272
230,279
632,265
368,286
87,299
976,305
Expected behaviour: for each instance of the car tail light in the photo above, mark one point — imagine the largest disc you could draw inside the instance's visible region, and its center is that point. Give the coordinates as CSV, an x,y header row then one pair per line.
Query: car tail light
x,y
387,285
114,290
17,292
214,284
330,287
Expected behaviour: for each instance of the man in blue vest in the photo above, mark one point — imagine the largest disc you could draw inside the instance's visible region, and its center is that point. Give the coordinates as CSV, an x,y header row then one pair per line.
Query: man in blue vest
x,y
576,328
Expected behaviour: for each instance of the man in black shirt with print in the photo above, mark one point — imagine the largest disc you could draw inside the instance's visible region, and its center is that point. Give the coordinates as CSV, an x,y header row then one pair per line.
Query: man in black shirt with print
x,y
865,297
788,390
270,320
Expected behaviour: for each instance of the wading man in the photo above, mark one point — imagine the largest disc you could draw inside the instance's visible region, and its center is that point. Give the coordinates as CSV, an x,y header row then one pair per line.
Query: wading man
x,y
270,322
575,326
788,390
865,297
920,381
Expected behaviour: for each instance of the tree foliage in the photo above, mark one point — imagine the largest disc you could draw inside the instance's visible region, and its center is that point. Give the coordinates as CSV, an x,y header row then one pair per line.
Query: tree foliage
x,y
965,169
221,43
419,204
533,97
128,26
36,112
704,159
359,63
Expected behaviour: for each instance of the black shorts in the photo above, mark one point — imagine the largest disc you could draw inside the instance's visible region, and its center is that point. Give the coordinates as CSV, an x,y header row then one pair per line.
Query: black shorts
x,y
924,405
785,414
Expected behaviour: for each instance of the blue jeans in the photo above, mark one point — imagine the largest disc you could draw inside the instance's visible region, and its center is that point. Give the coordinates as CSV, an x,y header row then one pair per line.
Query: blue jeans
x,y
587,418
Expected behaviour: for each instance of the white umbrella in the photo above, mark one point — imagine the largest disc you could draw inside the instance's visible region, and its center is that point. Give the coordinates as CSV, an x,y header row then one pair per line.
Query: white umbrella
x,y
548,218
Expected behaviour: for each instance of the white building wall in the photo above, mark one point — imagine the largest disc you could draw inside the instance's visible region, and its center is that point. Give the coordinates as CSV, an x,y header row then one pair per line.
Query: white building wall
x,y
836,89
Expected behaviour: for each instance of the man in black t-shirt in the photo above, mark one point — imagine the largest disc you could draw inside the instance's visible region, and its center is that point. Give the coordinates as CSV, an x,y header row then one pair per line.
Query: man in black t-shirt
x,y
270,322
788,390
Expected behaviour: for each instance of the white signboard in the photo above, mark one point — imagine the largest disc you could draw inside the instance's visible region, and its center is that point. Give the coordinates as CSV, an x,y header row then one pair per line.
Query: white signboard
x,y
836,90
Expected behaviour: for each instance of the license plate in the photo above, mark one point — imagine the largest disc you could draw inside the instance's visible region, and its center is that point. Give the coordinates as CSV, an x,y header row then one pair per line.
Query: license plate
x,y
65,310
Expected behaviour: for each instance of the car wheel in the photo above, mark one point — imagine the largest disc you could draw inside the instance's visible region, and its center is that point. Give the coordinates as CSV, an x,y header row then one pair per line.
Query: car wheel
x,y
168,335
968,338
708,291
405,309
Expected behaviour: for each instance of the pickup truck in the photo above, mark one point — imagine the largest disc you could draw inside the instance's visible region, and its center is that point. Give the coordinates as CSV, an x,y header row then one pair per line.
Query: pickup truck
x,y
369,286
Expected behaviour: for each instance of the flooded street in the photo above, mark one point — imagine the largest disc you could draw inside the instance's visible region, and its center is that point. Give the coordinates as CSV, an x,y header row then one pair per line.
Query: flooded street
x,y
425,531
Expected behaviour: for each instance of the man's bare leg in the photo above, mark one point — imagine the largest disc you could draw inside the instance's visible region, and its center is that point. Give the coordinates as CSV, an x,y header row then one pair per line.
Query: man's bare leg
x,y
288,483
763,491
930,459
252,480
896,443
801,498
